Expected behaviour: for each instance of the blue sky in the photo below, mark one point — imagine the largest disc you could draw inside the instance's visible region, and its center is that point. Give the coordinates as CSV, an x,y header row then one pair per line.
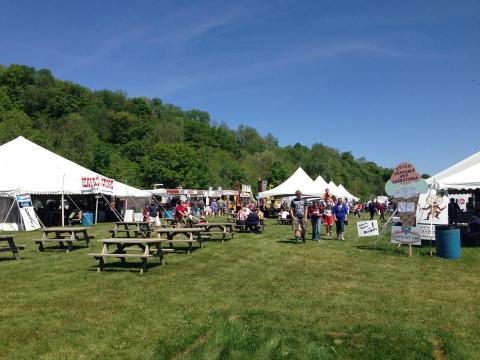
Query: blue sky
x,y
387,80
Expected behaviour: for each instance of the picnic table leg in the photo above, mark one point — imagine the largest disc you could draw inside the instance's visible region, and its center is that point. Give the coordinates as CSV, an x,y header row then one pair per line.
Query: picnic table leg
x,y
70,245
101,263
40,246
144,266
62,245
14,248
160,253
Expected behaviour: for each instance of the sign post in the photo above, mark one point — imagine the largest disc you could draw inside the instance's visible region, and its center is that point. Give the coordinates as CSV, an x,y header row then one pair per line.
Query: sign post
x,y
405,186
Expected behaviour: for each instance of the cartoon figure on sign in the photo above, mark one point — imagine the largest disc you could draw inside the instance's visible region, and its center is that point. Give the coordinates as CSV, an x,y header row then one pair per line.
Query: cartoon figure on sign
x,y
433,205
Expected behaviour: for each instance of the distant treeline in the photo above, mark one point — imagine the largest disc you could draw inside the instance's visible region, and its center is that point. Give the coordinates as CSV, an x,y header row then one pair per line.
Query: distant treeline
x,y
145,141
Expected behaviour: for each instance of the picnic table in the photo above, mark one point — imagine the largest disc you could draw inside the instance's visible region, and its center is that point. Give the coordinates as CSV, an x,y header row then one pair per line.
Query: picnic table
x,y
283,221
146,248
10,246
132,229
223,229
191,235
62,235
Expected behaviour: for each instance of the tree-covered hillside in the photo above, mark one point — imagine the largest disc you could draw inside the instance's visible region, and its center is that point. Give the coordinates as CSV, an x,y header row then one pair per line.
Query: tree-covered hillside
x,y
145,141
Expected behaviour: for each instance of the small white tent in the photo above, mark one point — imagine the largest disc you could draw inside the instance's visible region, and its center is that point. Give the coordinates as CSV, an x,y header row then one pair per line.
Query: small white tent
x,y
29,168
298,181
334,190
346,193
320,184
465,175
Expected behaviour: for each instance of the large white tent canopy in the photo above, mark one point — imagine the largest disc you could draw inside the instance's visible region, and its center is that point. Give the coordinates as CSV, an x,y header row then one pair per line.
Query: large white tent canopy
x,y
464,175
29,168
298,181
301,181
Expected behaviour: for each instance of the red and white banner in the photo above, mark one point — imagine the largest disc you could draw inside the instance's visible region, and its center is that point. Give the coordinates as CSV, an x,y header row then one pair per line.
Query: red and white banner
x,y
97,183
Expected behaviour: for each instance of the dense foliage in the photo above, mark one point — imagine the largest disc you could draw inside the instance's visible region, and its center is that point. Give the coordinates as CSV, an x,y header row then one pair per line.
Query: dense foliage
x,y
145,141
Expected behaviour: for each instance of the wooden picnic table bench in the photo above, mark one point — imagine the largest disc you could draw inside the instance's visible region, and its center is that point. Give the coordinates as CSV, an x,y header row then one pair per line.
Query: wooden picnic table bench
x,y
282,221
11,246
191,235
132,229
146,248
223,229
62,235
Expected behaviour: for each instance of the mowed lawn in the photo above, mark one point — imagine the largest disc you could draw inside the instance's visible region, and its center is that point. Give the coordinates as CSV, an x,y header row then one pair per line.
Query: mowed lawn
x,y
253,297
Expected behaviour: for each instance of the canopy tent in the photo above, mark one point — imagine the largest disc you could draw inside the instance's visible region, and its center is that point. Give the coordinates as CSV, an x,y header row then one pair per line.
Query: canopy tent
x,y
334,190
298,181
346,193
465,175
30,168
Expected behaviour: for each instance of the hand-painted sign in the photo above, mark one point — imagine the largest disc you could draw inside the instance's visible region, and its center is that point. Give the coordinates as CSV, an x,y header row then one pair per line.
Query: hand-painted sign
x,y
406,235
94,183
367,228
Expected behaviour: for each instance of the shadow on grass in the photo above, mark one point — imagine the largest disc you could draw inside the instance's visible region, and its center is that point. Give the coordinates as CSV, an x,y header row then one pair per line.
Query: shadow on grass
x,y
127,266
289,241
387,250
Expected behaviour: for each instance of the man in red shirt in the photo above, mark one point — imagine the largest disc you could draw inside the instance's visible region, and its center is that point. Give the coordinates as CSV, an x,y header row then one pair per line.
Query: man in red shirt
x,y
180,212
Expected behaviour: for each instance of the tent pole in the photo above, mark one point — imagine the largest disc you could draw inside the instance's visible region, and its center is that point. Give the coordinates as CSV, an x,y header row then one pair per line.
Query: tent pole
x,y
63,209
63,197
96,208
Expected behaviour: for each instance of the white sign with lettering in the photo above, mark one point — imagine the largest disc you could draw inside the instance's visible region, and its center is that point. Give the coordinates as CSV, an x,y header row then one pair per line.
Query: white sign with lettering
x,y
367,228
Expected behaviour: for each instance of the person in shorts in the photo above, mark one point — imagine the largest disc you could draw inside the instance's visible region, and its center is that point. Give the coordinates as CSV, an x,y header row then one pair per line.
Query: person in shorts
x,y
328,217
299,213
153,217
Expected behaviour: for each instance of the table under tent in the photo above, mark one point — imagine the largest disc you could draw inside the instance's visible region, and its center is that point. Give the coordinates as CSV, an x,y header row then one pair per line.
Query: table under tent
x,y
57,187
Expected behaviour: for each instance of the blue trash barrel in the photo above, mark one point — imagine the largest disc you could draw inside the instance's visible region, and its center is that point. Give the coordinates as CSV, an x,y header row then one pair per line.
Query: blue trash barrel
x,y
168,214
447,242
87,219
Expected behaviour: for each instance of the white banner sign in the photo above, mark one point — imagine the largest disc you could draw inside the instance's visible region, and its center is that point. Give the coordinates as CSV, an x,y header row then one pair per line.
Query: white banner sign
x,y
97,183
30,220
367,228
461,200
406,235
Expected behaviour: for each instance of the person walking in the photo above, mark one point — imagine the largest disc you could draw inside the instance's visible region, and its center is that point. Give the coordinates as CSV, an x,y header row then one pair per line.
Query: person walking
x,y
328,217
153,217
340,213
214,207
372,209
382,207
316,219
299,213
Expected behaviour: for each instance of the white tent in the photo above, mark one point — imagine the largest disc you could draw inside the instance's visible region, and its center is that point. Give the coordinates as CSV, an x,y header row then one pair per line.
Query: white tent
x,y
29,168
298,181
334,190
465,175
346,193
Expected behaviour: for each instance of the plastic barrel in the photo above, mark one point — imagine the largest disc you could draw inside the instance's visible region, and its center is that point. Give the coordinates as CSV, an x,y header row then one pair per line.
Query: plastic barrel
x,y
87,219
447,242
168,214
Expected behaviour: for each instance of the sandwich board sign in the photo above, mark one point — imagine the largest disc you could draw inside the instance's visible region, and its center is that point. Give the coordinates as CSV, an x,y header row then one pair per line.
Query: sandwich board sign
x,y
367,228
405,186
29,217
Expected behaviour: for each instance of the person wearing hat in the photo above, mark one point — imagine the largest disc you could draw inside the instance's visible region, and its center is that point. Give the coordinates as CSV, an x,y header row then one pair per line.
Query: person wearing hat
x,y
299,212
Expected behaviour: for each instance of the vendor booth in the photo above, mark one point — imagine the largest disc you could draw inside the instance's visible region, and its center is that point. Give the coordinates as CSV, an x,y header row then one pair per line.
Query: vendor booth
x,y
54,183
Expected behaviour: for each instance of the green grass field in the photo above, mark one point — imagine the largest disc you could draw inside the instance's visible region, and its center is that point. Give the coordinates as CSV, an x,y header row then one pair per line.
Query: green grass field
x,y
254,297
